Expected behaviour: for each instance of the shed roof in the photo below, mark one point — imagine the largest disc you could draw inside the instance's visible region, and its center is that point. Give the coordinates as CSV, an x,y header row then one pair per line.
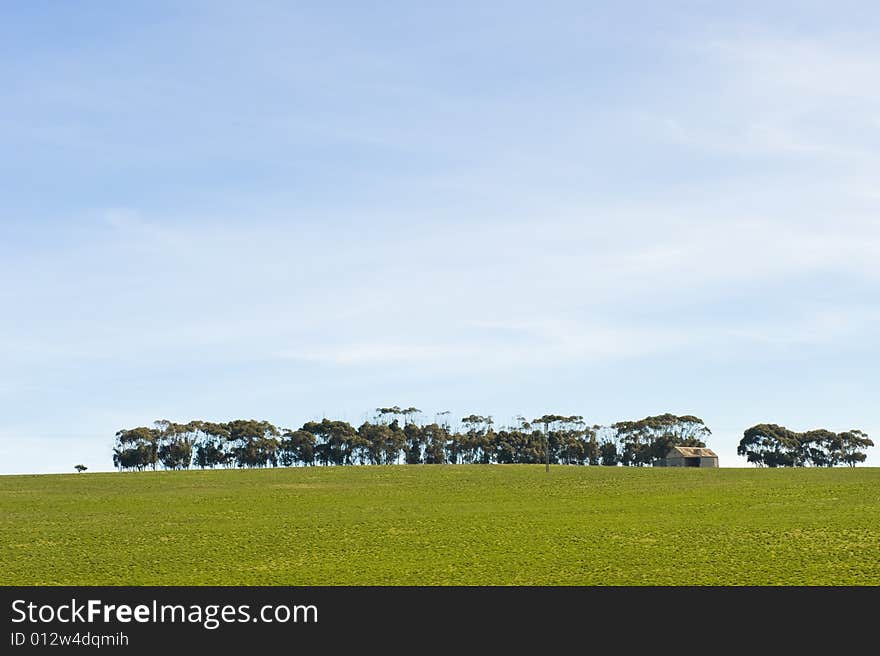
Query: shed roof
x,y
690,452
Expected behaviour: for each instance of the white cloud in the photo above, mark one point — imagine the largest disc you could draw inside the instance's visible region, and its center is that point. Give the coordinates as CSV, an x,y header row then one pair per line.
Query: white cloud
x,y
498,345
495,294
830,67
796,100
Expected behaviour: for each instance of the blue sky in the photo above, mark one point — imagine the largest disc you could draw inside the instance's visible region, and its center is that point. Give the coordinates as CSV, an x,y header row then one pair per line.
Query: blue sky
x,y
290,210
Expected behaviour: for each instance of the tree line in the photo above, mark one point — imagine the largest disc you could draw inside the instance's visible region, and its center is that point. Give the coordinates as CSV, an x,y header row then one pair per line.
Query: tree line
x,y
395,435
769,445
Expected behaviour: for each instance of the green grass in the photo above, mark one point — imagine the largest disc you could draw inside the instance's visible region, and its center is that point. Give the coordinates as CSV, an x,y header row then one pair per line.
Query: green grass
x,y
441,525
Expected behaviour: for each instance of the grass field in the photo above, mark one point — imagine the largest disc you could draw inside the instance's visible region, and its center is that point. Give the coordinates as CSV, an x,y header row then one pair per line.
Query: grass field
x,y
439,525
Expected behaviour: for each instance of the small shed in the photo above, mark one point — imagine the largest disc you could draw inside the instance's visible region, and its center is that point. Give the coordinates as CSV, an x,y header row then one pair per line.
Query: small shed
x,y
689,456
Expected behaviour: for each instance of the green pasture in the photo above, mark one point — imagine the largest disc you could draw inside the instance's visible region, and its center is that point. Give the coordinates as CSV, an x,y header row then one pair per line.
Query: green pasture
x,y
443,525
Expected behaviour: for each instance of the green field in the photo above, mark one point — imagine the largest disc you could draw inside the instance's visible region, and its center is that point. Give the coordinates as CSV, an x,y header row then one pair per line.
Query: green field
x,y
440,525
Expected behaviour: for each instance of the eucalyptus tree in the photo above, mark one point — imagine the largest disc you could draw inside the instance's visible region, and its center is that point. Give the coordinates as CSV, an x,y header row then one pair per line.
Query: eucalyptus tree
x,y
414,443
572,440
528,442
176,454
668,430
643,442
296,447
435,439
608,447
136,448
212,446
385,415
207,443
507,446
292,446
335,441
819,448
467,439
634,443
486,441
175,444
454,447
373,438
408,414
476,442
442,419
254,443
608,455
852,446
591,448
395,443
768,445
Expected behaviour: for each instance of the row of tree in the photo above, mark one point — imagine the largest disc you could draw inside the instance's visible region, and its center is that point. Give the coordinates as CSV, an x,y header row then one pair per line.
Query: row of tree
x,y
553,438
557,439
769,445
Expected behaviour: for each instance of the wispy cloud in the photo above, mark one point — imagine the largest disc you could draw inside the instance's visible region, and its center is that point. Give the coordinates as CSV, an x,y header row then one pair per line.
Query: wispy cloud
x,y
783,96
497,345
